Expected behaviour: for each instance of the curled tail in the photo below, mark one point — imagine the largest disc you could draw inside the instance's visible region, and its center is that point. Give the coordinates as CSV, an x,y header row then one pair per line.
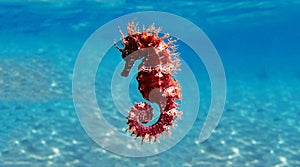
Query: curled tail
x,y
143,112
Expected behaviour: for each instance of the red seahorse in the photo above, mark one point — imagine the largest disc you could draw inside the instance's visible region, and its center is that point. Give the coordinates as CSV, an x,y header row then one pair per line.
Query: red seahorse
x,y
159,63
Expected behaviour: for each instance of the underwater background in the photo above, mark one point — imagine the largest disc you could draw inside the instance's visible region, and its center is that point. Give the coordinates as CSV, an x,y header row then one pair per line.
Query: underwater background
x,y
258,42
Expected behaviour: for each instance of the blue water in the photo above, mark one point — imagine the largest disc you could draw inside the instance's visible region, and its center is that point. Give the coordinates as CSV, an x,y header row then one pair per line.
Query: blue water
x,y
258,42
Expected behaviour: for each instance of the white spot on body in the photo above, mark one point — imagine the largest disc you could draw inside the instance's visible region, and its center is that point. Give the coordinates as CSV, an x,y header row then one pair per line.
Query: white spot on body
x,y
159,74
142,105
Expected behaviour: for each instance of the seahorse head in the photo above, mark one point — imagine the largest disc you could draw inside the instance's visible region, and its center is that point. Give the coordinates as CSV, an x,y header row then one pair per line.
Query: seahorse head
x,y
139,41
130,45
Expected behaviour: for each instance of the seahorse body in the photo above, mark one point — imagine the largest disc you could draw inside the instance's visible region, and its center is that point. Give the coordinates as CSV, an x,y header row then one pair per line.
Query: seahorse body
x,y
159,62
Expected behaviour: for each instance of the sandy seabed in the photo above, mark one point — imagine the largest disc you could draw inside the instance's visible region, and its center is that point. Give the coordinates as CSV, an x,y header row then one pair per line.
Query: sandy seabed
x,y
39,126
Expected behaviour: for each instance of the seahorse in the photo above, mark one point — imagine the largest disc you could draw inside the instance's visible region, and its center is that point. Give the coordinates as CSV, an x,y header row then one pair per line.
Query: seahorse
x,y
159,63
